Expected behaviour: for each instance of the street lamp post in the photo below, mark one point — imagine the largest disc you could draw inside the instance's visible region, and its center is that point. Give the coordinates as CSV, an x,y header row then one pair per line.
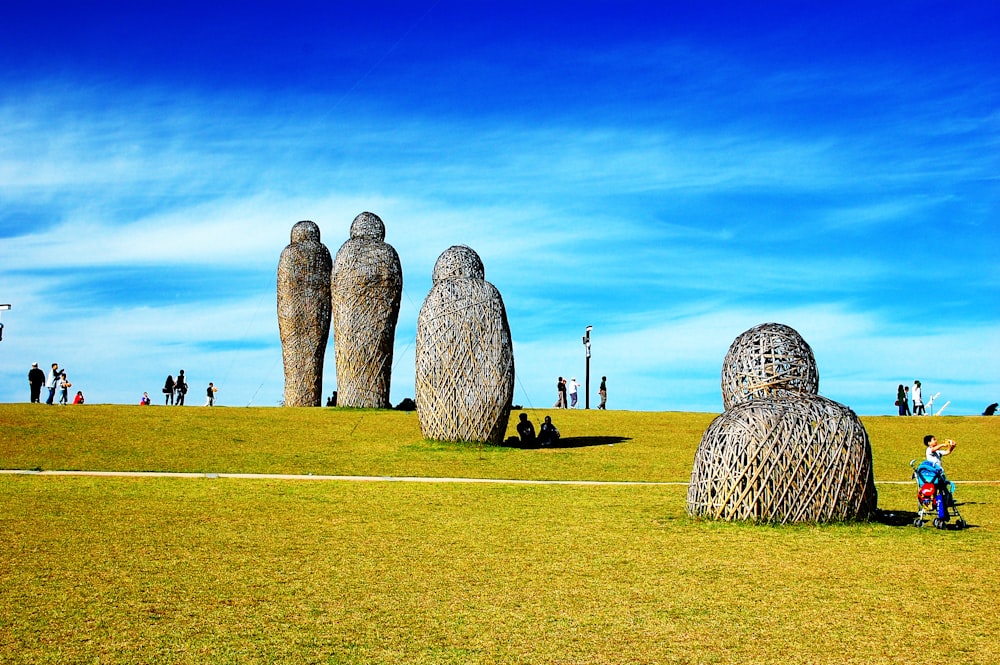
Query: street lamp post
x,y
586,388
2,308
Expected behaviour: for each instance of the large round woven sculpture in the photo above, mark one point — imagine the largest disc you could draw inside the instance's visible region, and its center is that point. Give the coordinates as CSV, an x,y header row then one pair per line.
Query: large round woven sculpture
x,y
791,457
464,354
304,313
367,285
766,358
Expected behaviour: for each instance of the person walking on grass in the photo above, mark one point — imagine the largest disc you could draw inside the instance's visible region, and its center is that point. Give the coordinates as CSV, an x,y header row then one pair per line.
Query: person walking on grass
x,y
36,379
52,382
560,394
64,386
210,394
918,400
180,389
603,392
168,390
901,398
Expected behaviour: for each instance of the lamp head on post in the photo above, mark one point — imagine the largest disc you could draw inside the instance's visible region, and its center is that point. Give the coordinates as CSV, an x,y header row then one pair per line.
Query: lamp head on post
x,y
2,308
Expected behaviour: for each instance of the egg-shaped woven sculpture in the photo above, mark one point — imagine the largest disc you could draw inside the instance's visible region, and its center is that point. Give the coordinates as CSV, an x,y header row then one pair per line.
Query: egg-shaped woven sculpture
x,y
789,457
766,358
464,354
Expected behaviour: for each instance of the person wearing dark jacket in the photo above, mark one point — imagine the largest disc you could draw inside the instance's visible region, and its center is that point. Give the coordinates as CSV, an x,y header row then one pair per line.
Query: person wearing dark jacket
x,y
180,388
36,379
548,434
168,390
525,430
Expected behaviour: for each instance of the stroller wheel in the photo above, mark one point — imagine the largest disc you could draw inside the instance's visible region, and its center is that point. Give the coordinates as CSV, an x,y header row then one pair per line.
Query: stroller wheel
x,y
961,524
939,523
918,522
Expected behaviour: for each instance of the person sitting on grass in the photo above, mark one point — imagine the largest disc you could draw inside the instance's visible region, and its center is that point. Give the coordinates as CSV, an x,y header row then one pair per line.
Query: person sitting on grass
x,y
525,429
547,433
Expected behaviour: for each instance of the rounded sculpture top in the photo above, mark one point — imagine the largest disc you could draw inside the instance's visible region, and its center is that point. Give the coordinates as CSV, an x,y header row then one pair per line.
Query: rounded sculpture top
x,y
768,358
458,261
368,226
305,231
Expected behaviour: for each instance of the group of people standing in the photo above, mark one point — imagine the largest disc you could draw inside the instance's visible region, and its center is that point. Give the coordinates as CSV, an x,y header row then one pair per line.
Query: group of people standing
x,y
903,397
562,388
56,380
568,393
174,391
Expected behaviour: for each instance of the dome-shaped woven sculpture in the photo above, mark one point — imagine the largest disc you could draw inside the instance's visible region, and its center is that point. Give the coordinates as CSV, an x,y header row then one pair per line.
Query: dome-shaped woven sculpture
x,y
458,261
464,354
367,285
766,358
304,313
791,457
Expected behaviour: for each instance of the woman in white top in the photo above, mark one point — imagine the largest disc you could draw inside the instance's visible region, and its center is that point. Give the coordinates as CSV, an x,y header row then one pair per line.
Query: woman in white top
x,y
918,400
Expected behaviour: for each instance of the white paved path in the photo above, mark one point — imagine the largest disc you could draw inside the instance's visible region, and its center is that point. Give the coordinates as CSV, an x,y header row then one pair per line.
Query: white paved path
x,y
385,479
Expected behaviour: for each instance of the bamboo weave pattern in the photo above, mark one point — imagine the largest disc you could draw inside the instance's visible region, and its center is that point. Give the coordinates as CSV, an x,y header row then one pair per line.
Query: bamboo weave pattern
x,y
304,313
464,354
366,286
780,452
787,458
765,358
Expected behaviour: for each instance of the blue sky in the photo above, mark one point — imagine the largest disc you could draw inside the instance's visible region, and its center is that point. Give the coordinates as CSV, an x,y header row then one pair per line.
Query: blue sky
x,y
670,173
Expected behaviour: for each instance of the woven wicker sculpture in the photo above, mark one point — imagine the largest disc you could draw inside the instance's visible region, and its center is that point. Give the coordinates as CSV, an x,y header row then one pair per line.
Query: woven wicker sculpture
x,y
765,358
464,354
780,452
367,285
304,314
792,457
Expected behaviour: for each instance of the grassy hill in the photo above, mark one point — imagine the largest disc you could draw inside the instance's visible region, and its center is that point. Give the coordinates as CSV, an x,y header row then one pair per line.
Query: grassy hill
x,y
184,570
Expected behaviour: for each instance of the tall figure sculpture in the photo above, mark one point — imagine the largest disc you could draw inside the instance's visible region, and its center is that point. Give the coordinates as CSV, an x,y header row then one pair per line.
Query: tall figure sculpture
x,y
367,286
464,354
304,313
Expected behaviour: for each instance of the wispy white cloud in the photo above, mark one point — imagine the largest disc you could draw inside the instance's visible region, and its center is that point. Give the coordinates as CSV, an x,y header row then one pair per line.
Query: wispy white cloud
x,y
693,189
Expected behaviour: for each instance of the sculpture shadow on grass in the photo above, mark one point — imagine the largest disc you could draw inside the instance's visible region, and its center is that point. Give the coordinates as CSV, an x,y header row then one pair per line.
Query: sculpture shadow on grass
x,y
905,518
570,442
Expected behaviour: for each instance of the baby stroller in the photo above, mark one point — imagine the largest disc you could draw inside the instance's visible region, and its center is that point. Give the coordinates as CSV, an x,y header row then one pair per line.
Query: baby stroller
x,y
935,495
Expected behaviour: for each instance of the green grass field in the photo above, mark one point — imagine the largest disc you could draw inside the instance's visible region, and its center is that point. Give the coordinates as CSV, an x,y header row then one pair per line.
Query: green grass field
x,y
220,570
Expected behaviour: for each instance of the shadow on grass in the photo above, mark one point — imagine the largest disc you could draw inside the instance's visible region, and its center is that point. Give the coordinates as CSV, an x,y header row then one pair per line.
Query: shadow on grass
x,y
906,518
571,442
